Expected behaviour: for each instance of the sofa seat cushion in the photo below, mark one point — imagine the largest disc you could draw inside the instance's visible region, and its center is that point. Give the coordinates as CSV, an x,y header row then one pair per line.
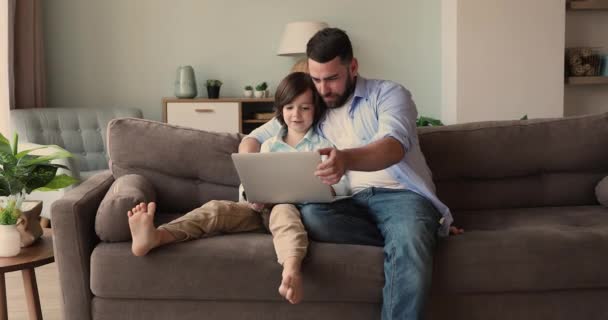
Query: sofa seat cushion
x,y
234,267
533,249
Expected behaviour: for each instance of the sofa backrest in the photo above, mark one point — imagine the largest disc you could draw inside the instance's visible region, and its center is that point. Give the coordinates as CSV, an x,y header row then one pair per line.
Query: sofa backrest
x,y
187,167
511,164
81,131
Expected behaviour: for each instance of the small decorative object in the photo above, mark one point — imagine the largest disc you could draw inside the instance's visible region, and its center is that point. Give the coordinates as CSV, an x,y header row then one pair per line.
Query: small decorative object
x,y
213,88
263,115
260,90
185,83
248,91
582,62
21,174
428,122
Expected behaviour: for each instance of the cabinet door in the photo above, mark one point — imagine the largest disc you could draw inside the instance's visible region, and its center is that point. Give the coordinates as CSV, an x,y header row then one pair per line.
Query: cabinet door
x,y
209,116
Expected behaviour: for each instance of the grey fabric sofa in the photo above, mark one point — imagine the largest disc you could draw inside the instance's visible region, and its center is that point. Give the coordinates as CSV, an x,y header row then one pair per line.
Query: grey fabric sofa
x,y
82,131
534,246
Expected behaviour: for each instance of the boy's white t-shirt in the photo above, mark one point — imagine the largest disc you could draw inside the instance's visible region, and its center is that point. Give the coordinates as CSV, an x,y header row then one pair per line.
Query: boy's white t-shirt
x,y
338,129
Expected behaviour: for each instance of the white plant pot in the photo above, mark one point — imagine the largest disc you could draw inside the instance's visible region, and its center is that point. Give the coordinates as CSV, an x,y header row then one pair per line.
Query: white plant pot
x,y
248,93
10,241
259,94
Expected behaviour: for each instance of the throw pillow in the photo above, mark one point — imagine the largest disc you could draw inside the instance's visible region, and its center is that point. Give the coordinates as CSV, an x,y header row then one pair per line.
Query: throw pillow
x,y
111,222
601,191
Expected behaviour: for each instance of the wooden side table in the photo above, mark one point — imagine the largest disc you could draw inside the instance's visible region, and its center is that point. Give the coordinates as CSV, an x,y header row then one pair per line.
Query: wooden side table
x,y
39,254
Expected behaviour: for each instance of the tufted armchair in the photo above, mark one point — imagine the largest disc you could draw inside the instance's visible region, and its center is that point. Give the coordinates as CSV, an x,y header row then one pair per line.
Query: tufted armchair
x,y
82,131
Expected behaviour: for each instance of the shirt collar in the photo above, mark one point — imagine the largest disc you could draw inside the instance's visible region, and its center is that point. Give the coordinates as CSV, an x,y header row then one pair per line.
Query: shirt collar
x,y
310,136
360,93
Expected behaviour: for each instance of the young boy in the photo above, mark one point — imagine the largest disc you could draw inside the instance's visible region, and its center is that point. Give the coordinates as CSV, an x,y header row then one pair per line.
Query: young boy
x,y
298,109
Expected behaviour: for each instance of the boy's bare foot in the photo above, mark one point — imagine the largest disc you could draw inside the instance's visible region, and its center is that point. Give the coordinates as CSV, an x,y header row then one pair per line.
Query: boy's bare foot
x,y
291,287
145,235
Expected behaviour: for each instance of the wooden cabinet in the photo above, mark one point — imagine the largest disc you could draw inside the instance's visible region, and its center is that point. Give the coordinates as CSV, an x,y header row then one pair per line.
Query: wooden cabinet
x,y
219,115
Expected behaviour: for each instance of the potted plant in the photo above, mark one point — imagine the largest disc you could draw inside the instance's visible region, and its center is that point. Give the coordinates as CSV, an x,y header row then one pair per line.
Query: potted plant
x,y
20,174
213,88
260,90
248,91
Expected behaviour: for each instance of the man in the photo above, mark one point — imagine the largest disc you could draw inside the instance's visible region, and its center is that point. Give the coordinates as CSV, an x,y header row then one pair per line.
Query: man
x,y
373,125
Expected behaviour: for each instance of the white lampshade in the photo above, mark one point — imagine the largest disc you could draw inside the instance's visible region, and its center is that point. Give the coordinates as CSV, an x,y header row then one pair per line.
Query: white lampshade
x,y
296,36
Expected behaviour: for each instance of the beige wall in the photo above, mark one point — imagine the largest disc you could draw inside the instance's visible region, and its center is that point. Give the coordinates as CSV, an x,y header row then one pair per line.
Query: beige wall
x,y
4,93
125,53
505,59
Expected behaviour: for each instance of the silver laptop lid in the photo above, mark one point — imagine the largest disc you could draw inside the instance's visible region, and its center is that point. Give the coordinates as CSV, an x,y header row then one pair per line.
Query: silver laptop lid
x,y
281,177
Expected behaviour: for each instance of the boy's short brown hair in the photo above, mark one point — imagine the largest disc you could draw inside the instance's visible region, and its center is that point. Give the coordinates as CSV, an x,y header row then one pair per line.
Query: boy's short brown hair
x,y
291,87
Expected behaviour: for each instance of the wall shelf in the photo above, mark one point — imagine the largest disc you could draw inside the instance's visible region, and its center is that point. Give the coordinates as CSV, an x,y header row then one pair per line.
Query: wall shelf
x,y
588,5
586,80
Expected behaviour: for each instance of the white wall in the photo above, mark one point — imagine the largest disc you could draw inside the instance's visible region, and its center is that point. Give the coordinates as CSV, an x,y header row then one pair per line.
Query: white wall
x,y
4,91
586,29
125,53
503,60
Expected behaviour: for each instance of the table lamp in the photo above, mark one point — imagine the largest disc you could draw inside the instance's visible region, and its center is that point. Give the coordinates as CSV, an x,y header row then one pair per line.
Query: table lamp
x,y
294,39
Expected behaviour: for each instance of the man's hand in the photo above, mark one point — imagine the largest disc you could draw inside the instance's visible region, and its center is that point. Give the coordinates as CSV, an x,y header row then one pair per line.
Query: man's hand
x,y
331,170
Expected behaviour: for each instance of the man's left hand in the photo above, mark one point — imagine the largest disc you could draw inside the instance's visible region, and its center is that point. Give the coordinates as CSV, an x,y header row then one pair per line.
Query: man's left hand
x,y
331,170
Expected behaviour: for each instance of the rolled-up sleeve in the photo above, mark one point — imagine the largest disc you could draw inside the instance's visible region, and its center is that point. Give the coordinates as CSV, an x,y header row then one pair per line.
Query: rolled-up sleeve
x,y
396,115
266,131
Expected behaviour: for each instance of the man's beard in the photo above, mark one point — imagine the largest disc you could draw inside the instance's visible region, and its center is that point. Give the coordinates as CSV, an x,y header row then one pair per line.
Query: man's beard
x,y
349,88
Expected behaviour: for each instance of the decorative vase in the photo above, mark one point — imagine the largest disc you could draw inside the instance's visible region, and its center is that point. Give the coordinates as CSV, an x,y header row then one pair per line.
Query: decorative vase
x,y
213,92
10,240
185,83
259,94
248,93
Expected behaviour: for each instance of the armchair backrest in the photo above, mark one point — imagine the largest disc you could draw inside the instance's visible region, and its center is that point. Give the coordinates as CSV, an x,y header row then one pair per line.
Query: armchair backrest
x,y
82,131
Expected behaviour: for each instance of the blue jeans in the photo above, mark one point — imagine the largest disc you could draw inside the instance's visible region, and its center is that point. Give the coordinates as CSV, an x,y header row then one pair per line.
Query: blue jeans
x,y
402,221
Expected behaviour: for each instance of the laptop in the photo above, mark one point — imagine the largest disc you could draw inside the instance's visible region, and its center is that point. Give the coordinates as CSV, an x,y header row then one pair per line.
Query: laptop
x,y
282,177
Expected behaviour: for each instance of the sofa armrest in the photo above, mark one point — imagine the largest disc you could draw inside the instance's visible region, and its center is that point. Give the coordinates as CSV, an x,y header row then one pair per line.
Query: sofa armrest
x,y
73,219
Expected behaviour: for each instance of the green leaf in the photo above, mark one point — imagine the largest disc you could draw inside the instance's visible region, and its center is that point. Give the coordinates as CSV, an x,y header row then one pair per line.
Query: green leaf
x,y
59,182
39,177
61,154
525,117
25,152
5,146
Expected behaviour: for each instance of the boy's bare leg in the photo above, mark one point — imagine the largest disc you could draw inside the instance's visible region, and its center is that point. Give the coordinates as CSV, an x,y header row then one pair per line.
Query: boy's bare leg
x,y
145,236
291,286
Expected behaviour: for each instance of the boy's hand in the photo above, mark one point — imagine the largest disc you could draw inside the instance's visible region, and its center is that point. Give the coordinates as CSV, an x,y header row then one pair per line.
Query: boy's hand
x,y
257,207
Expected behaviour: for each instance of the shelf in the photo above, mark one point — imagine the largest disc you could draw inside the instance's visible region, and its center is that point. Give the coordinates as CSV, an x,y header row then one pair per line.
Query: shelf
x,y
246,100
586,80
256,120
588,5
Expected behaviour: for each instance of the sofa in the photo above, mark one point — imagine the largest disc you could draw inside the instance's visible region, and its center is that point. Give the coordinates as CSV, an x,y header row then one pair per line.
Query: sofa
x,y
78,130
534,246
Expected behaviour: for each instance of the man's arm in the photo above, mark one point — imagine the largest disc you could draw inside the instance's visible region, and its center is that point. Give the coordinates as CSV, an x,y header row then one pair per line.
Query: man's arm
x,y
396,131
375,156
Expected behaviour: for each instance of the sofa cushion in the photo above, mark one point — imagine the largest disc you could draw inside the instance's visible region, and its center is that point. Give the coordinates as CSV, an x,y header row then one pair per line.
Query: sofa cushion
x,y
188,167
111,222
601,192
533,249
518,164
234,267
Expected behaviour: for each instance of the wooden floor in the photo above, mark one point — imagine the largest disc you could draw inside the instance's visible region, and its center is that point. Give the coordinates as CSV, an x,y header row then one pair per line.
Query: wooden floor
x,y
48,288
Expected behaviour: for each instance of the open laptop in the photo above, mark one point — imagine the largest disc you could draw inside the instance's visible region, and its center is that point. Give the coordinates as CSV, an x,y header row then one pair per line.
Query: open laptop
x,y
282,177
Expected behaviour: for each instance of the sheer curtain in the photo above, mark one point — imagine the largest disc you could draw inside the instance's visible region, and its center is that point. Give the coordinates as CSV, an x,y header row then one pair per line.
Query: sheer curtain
x,y
26,55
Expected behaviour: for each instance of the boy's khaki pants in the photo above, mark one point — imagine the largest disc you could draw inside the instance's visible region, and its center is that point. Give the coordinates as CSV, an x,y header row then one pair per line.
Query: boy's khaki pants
x,y
218,216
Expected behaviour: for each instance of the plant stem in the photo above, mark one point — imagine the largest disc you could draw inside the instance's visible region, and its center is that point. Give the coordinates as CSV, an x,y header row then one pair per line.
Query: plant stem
x,y
15,139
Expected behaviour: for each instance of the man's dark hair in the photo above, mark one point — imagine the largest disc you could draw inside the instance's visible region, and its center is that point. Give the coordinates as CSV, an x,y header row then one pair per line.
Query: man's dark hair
x,y
328,44
290,88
